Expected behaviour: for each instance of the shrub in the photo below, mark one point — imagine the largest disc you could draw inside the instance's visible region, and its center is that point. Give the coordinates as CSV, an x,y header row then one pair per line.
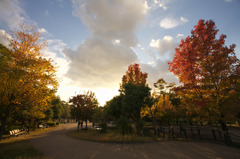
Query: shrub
x,y
123,125
51,123
103,127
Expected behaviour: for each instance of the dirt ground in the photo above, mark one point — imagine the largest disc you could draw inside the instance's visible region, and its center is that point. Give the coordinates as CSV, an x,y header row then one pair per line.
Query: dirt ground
x,y
56,145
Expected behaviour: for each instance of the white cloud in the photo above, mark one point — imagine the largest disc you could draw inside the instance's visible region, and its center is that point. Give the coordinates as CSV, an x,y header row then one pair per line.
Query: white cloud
x,y
162,3
98,63
112,19
11,13
184,20
116,42
42,30
164,46
180,35
169,23
4,38
150,62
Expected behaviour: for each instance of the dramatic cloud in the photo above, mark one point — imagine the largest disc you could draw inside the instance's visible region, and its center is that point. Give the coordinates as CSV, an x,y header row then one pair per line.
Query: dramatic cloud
x,y
112,19
164,46
169,23
98,63
11,13
103,58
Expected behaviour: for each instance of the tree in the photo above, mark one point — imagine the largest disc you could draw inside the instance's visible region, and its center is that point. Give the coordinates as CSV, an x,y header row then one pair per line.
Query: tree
x,y
27,79
83,106
66,110
135,91
134,99
57,107
114,107
208,69
159,105
134,76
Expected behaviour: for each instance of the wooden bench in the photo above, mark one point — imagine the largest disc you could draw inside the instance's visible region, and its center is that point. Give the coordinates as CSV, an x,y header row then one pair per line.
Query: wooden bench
x,y
16,132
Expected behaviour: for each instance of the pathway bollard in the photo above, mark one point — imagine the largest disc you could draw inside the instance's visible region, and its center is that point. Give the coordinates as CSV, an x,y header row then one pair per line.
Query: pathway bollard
x,y
185,133
163,132
214,135
172,133
199,135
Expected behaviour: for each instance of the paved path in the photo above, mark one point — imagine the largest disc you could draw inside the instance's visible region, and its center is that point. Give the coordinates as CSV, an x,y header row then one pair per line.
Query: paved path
x,y
56,145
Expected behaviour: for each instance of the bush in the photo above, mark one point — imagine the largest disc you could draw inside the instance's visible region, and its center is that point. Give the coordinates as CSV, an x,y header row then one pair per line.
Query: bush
x,y
123,126
140,127
51,123
147,132
103,127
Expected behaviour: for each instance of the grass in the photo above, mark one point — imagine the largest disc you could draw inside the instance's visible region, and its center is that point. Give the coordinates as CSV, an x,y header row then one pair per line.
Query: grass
x,y
110,137
19,147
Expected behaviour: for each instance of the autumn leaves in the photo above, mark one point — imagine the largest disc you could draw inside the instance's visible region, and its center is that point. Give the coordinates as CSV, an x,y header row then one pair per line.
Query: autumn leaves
x,y
27,78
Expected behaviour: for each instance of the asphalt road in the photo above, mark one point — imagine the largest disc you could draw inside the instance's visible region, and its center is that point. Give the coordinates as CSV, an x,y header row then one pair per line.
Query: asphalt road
x,y
56,145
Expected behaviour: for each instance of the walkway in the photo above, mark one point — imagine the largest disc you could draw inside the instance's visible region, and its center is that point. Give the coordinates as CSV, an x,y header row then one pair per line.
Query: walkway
x,y
56,145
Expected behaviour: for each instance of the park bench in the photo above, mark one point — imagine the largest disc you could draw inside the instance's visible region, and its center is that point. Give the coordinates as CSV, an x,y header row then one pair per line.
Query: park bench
x,y
16,132
43,126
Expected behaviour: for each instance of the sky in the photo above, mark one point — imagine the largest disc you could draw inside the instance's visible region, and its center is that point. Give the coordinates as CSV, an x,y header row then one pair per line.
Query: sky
x,y
94,41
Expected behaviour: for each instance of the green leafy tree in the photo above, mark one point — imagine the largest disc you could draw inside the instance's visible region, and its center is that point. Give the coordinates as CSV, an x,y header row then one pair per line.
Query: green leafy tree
x,y
57,107
134,99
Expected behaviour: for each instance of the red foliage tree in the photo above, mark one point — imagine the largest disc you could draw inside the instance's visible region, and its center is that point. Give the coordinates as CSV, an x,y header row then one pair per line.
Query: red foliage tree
x,y
208,69
83,106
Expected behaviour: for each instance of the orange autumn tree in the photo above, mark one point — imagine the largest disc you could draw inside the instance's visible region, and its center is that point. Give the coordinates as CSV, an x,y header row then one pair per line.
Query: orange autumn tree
x,y
134,75
27,78
159,106
208,69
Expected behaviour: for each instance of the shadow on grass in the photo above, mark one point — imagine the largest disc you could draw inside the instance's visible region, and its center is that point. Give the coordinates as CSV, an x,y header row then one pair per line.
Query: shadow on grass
x,y
109,137
19,149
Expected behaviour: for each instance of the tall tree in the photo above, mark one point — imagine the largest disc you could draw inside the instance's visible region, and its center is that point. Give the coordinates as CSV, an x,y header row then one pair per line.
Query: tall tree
x,y
208,69
27,79
135,91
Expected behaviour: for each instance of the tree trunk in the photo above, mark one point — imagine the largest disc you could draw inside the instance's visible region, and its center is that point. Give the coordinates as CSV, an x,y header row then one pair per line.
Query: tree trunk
x,y
4,121
86,124
78,125
227,137
34,124
154,122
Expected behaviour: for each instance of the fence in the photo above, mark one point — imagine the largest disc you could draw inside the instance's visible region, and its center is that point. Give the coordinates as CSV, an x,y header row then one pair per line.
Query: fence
x,y
197,133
